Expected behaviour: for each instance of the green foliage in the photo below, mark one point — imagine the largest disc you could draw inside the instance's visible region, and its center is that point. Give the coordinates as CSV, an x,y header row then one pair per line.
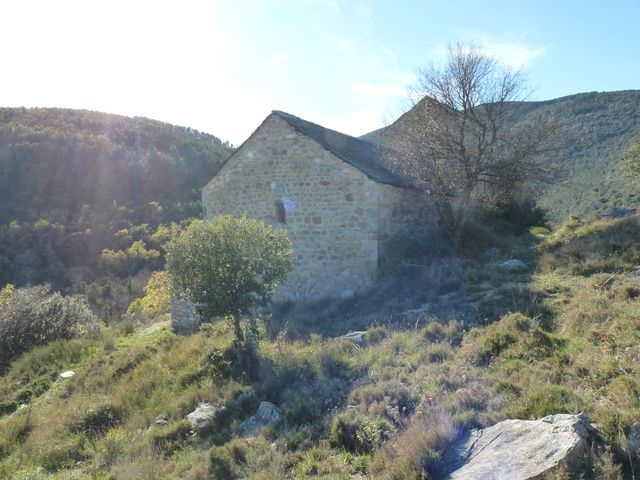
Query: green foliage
x,y
36,316
157,296
385,398
169,438
631,159
228,265
584,249
520,214
6,295
34,372
499,336
74,183
549,399
239,360
63,454
388,408
357,434
594,129
98,419
221,465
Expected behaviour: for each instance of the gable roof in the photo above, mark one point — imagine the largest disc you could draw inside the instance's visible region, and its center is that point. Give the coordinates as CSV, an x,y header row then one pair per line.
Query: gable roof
x,y
363,155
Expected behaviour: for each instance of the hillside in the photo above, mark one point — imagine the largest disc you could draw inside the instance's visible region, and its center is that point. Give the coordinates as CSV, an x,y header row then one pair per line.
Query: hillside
x,y
83,193
386,405
592,131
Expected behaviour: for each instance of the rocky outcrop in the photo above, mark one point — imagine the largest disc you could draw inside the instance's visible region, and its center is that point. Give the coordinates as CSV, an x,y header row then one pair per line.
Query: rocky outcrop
x,y
204,415
355,337
267,414
520,449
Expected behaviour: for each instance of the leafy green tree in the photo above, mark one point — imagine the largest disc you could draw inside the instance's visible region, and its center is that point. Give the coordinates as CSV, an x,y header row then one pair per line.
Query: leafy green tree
x,y
228,265
157,296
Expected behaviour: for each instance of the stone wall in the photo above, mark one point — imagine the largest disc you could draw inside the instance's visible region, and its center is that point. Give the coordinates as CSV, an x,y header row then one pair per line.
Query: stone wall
x,y
330,208
184,318
400,211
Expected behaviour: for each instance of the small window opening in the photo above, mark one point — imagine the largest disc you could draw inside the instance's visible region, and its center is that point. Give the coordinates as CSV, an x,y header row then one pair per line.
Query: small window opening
x,y
281,213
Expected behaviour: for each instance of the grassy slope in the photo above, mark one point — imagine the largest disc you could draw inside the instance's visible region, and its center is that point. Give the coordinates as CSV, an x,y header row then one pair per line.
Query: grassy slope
x,y
383,410
593,130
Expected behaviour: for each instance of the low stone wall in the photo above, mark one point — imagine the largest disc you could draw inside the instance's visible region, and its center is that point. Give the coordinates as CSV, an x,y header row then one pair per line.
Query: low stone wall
x,y
184,318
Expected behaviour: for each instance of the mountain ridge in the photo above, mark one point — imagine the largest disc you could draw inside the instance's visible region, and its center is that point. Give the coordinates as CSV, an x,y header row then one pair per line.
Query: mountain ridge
x,y
594,128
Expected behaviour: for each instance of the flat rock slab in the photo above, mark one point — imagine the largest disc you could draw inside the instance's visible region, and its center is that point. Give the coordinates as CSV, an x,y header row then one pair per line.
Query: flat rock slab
x,y
519,449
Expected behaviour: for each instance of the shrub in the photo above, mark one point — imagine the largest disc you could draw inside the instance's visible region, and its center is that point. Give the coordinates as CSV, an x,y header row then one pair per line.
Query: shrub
x,y
169,438
36,316
375,335
539,230
63,453
499,336
420,446
98,419
436,332
308,402
113,446
549,400
383,397
221,464
157,297
522,214
357,433
228,265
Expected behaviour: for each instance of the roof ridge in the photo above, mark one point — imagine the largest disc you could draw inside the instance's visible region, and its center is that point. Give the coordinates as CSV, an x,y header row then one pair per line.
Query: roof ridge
x,y
366,156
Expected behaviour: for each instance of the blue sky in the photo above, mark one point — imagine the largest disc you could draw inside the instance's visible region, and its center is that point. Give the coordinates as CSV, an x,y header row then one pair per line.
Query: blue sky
x,y
222,66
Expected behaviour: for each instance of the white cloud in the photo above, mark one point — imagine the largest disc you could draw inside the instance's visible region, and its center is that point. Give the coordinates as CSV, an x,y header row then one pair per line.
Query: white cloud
x,y
401,78
516,54
380,90
278,60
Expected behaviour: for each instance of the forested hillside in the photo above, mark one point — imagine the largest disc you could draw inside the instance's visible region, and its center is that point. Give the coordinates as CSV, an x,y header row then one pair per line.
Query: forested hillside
x,y
87,195
592,130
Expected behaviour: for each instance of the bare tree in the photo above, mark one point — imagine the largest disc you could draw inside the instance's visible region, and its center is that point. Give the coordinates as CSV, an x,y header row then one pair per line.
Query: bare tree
x,y
461,143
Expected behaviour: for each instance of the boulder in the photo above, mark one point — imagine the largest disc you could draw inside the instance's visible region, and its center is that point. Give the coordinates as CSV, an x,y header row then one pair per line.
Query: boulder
x,y
634,273
204,415
634,442
160,421
355,337
267,414
520,449
514,265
